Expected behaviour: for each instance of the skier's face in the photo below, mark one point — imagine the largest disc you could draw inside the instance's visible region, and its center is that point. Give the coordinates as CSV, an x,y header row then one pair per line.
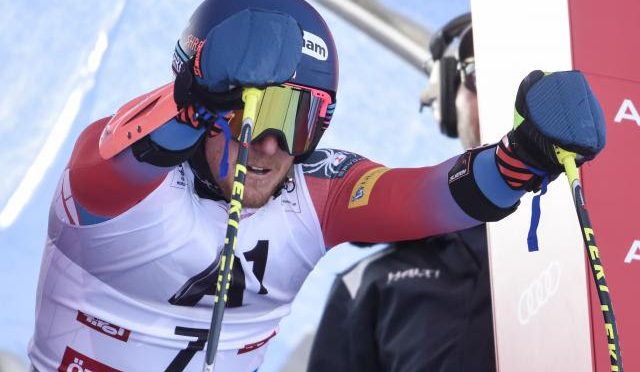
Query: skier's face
x,y
267,166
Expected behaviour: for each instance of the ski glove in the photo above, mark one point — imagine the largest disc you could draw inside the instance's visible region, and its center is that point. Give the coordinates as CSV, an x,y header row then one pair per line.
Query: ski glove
x,y
253,47
551,109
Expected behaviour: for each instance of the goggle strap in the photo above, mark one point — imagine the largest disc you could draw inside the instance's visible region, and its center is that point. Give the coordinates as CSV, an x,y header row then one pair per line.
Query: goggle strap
x,y
327,118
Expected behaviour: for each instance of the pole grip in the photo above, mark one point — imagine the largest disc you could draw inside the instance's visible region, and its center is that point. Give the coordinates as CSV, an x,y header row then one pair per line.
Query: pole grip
x,y
568,160
251,97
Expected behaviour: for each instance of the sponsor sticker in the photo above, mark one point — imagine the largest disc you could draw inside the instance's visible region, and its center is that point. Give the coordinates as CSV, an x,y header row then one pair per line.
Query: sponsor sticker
x,y
329,163
103,327
314,46
73,361
363,188
338,159
250,347
461,168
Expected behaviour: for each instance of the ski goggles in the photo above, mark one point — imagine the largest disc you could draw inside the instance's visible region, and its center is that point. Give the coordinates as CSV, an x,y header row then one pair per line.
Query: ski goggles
x,y
294,114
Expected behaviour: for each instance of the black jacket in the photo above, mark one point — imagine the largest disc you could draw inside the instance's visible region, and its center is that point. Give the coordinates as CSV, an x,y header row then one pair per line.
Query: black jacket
x,y
422,305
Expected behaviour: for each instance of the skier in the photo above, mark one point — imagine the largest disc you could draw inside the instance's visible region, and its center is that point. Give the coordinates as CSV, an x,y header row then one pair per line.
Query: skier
x,y
443,280
139,216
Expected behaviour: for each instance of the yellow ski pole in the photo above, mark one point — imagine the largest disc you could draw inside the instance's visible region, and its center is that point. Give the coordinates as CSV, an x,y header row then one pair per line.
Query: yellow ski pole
x,y
251,97
568,160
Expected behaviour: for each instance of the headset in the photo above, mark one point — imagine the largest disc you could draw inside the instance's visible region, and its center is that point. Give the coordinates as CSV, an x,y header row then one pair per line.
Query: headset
x,y
451,48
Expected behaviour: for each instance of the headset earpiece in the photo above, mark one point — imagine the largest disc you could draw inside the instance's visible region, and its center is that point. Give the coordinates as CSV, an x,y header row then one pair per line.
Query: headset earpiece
x,y
449,83
448,73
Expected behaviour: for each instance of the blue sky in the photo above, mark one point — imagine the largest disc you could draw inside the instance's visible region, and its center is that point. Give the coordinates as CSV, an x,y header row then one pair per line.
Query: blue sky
x,y
67,63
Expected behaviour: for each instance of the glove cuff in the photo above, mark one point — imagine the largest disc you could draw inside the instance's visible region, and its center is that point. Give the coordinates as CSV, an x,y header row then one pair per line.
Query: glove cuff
x,y
467,194
517,174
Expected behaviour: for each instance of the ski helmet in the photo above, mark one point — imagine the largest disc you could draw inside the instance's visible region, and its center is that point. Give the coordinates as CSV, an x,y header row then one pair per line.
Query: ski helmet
x,y
318,67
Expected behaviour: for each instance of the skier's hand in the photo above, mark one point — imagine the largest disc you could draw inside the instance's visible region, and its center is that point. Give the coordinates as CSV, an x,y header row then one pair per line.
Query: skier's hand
x,y
251,48
554,109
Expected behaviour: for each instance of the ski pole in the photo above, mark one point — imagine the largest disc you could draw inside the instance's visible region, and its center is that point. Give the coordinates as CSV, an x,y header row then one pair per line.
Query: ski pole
x,y
251,97
567,159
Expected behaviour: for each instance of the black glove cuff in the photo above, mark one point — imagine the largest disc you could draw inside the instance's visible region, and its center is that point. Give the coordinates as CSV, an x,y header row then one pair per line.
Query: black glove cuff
x,y
145,150
186,92
534,149
467,194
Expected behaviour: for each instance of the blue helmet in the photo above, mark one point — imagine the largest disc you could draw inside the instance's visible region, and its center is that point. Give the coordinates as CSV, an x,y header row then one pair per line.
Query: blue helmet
x,y
318,67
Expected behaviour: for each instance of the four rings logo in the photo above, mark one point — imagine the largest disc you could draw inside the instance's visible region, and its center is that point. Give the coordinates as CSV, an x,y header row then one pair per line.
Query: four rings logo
x,y
539,292
314,46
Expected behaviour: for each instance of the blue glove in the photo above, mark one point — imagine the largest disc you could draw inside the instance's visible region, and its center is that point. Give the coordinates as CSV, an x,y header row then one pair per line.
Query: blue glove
x,y
556,109
251,48
551,109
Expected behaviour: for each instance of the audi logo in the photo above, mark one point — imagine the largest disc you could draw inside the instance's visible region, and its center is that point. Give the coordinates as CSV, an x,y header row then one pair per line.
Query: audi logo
x,y
539,292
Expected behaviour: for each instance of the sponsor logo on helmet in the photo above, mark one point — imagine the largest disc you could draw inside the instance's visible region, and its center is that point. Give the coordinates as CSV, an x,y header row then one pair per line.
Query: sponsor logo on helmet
x,y
177,63
314,46
193,43
196,66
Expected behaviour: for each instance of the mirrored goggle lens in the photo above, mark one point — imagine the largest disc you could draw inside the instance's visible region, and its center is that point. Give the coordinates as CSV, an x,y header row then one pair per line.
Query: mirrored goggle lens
x,y
291,113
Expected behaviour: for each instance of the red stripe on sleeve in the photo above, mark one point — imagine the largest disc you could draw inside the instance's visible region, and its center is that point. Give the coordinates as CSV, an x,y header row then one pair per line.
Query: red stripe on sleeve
x,y
97,185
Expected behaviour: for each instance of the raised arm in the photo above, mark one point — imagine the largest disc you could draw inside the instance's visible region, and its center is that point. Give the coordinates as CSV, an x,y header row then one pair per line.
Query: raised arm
x,y
102,186
118,161
371,203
